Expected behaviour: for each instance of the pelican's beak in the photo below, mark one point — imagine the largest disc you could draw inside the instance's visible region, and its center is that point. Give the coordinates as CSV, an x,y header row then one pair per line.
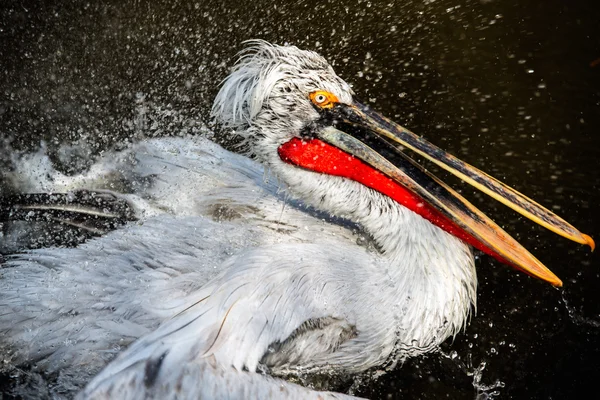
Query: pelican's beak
x,y
379,142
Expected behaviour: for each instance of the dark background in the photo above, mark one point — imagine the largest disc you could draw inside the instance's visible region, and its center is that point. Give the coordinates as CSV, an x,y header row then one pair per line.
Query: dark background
x,y
511,86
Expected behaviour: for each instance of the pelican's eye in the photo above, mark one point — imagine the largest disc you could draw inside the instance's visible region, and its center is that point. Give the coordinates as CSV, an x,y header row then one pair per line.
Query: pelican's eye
x,y
323,99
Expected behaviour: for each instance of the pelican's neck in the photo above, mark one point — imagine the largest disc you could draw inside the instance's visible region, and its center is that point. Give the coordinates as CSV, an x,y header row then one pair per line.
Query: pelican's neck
x,y
432,271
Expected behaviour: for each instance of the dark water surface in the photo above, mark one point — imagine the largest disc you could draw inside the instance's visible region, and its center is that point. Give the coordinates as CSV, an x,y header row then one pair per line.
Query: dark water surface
x,y
510,86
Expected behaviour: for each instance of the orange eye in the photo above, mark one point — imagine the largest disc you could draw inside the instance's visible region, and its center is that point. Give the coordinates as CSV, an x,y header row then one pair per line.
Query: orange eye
x,y
323,99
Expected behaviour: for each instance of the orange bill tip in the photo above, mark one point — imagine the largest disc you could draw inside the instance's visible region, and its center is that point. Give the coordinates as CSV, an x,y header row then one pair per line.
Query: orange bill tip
x,y
589,241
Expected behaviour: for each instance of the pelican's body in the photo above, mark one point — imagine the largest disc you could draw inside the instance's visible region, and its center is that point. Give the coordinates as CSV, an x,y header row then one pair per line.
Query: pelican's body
x,y
225,278
212,215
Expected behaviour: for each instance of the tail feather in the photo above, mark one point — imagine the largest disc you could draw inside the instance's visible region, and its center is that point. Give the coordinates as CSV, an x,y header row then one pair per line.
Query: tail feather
x,y
26,219
93,206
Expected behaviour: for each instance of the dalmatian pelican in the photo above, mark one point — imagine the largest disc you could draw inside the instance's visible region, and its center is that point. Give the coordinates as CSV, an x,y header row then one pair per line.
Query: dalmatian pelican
x,y
327,252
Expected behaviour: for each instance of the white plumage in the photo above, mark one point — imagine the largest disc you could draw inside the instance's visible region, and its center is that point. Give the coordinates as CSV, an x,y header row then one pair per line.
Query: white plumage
x,y
225,278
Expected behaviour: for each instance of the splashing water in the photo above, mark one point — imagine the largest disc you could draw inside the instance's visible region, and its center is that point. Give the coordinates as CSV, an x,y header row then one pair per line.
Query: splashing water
x,y
575,315
483,391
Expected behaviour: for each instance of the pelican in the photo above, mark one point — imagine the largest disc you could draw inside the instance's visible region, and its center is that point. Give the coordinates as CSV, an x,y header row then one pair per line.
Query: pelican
x,y
327,252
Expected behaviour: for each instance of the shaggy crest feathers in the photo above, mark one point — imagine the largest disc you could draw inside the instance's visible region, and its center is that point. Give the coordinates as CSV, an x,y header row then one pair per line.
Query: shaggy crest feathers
x,y
259,67
271,81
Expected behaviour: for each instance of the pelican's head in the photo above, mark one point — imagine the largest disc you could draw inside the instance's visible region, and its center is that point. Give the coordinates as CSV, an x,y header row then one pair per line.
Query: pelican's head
x,y
266,98
296,114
